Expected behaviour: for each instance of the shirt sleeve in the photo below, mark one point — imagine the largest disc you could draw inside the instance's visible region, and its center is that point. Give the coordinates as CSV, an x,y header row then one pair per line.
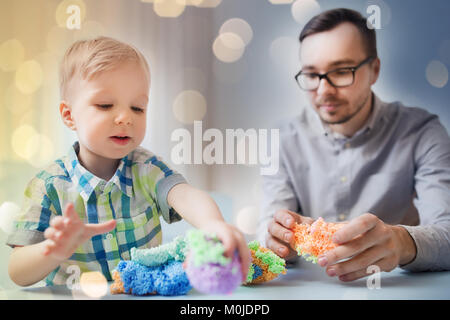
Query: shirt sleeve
x,y
277,193
432,184
162,180
36,212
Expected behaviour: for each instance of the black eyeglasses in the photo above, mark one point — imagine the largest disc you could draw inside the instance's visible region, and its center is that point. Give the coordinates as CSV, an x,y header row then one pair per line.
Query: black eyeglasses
x,y
341,77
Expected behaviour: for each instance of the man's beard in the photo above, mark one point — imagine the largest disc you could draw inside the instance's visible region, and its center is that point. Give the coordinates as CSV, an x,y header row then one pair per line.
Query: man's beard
x,y
348,117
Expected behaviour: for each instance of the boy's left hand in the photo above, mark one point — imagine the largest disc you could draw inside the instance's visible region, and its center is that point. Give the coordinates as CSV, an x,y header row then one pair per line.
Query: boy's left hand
x,y
201,211
232,239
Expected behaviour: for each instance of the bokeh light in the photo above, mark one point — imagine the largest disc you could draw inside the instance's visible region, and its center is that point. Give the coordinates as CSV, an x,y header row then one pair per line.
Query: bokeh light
x,y
189,106
169,8
16,101
247,220
9,211
303,10
43,153
193,2
12,54
436,74
209,3
239,27
29,76
93,284
20,141
228,47
27,118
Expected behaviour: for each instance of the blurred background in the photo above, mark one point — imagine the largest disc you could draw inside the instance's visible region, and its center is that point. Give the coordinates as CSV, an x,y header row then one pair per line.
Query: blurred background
x,y
228,63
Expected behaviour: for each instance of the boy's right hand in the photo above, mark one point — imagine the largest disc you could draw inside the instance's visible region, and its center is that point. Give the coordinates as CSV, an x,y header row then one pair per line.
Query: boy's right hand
x,y
280,238
67,232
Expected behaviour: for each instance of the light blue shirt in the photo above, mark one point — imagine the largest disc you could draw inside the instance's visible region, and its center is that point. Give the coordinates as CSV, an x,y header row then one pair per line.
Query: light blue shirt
x,y
396,167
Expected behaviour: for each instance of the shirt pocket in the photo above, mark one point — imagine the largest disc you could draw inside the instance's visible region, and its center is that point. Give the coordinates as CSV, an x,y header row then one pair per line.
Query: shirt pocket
x,y
142,230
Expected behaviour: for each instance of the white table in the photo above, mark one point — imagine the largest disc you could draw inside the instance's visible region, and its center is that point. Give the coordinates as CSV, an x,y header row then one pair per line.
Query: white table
x,y
301,282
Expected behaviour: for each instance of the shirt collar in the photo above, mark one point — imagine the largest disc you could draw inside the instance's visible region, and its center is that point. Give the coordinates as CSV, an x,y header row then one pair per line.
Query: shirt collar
x,y
325,129
87,182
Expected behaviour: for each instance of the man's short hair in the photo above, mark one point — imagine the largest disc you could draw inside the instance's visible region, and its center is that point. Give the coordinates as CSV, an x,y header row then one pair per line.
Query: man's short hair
x,y
330,19
88,58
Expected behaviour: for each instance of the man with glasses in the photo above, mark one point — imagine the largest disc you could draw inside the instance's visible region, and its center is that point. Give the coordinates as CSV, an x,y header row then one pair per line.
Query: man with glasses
x,y
382,168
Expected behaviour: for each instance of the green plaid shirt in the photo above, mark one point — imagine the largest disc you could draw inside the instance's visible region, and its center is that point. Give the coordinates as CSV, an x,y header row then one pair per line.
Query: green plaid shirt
x,y
135,197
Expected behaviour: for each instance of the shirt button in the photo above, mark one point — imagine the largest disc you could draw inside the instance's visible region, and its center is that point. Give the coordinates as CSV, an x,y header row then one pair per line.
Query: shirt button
x,y
109,236
342,217
343,179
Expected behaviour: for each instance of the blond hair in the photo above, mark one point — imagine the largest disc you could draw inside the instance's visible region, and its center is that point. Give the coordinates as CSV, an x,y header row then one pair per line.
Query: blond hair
x,y
87,58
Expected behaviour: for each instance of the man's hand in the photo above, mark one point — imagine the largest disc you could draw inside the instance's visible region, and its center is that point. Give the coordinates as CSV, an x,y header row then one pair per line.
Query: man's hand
x,y
280,238
367,240
67,232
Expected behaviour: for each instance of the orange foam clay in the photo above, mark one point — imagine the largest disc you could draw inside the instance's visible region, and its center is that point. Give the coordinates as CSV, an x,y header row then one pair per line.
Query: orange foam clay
x,y
313,240
117,286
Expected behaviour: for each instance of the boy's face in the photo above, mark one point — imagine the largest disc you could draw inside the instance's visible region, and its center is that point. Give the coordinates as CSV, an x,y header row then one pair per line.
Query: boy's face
x,y
108,112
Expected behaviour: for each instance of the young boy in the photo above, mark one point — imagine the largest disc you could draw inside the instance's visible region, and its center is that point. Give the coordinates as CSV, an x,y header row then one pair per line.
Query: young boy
x,y
105,197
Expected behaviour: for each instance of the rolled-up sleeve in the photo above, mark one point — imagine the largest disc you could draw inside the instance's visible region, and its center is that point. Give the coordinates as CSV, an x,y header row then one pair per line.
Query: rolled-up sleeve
x,y
162,190
432,185
159,179
36,212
